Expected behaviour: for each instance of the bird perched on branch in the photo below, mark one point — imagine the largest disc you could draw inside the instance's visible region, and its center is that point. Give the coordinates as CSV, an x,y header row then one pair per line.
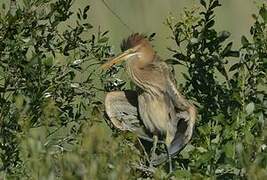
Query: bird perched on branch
x,y
157,111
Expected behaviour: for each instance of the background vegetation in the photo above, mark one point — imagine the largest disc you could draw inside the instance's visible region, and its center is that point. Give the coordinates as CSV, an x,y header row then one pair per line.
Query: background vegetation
x,y
51,95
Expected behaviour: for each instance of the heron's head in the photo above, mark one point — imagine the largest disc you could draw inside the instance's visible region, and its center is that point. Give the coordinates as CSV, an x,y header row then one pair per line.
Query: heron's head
x,y
135,45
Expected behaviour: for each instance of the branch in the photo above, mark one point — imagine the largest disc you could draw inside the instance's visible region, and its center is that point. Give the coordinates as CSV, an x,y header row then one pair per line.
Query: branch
x,y
117,16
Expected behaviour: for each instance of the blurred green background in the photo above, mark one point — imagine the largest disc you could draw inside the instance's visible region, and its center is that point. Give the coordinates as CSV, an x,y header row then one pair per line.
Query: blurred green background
x,y
147,16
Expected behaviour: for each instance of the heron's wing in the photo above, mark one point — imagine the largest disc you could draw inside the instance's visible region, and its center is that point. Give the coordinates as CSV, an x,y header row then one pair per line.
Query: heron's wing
x,y
185,118
182,136
185,112
158,76
121,108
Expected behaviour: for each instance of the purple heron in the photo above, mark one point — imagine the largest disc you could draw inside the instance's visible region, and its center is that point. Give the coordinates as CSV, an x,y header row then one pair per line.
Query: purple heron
x,y
157,111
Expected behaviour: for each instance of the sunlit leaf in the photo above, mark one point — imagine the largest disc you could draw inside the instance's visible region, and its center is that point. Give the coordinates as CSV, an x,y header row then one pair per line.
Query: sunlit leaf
x,y
250,108
234,67
263,13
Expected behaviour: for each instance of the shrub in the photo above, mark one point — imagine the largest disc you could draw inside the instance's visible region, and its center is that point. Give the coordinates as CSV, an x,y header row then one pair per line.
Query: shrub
x,y
51,115
228,87
49,95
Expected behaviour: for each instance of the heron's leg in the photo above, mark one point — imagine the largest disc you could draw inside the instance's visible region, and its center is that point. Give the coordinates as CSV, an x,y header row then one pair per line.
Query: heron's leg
x,y
153,149
169,138
169,158
144,150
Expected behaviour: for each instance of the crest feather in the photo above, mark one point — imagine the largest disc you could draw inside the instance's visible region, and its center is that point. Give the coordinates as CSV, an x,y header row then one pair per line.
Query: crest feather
x,y
132,41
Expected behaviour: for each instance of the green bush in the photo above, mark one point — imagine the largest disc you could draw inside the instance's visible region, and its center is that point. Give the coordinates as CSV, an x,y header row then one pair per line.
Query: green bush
x,y
49,95
51,115
229,88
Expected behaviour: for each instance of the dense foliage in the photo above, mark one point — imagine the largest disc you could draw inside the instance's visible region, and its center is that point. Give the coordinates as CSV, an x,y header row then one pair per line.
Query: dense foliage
x,y
229,87
51,97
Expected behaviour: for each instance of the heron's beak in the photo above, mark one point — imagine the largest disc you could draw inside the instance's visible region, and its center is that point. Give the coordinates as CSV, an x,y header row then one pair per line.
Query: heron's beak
x,y
124,56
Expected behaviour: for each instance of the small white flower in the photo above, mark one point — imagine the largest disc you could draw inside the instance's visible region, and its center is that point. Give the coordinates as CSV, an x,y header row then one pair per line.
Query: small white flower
x,y
117,82
263,147
193,56
77,62
47,95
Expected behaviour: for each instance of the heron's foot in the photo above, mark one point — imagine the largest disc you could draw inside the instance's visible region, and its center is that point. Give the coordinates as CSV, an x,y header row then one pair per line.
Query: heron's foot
x,y
152,157
153,154
158,159
145,169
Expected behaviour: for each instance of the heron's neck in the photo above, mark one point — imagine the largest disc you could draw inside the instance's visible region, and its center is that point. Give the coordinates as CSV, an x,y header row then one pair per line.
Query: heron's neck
x,y
144,59
136,67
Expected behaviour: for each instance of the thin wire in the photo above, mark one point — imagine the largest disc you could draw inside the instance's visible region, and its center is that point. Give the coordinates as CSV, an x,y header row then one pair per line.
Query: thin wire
x,y
117,16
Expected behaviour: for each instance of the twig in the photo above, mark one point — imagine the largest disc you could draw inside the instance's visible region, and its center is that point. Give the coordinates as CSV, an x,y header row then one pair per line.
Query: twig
x,y
117,16
144,169
144,150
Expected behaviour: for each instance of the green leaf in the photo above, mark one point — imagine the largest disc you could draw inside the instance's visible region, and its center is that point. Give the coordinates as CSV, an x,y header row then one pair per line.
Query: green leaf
x,y
182,174
185,153
85,16
4,6
263,13
210,24
219,117
244,41
79,16
203,3
103,40
265,63
234,67
215,4
48,61
250,108
227,49
186,76
86,9
172,61
19,101
87,25
229,150
151,36
249,137
201,149
180,56
223,35
105,33
222,70
232,54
